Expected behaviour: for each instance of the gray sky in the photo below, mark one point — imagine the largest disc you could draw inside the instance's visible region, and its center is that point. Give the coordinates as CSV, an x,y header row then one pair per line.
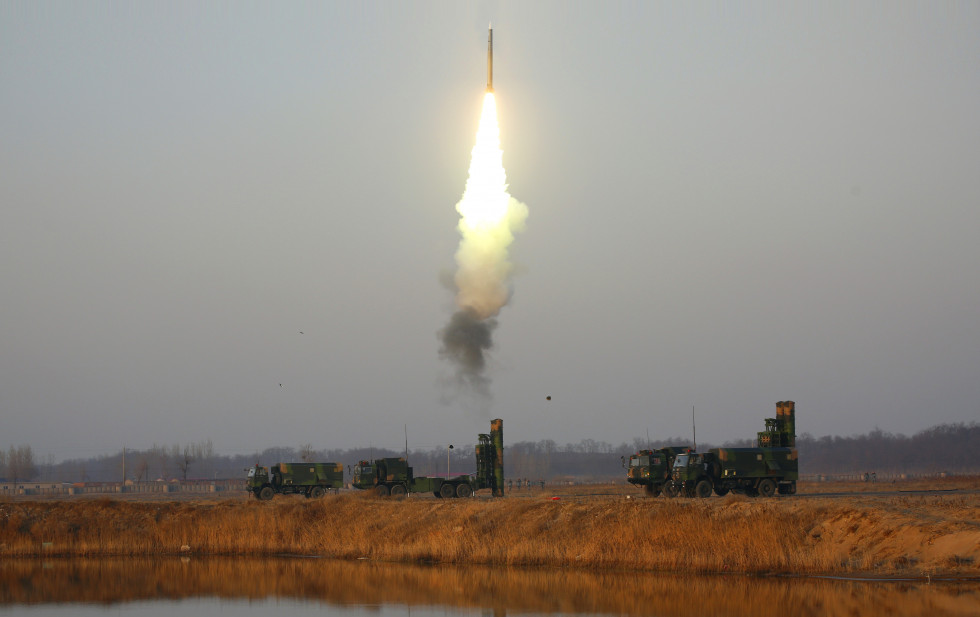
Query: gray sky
x,y
730,205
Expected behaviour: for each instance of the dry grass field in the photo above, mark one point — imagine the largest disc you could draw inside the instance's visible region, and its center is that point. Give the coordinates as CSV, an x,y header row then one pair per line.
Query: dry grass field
x,y
887,533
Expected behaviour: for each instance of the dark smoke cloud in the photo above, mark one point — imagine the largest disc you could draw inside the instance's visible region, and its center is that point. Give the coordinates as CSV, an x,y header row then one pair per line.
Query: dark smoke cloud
x,y
465,341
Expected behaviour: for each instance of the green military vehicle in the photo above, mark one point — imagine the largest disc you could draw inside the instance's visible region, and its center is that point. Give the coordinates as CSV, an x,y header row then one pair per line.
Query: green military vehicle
x,y
651,468
309,479
393,476
761,471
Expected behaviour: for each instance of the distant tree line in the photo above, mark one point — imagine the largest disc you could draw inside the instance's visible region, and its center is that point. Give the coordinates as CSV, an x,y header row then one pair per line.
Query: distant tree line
x,y
17,464
953,448
946,447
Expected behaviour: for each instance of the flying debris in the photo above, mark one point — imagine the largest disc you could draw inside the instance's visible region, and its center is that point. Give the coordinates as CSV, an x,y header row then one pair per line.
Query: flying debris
x,y
490,59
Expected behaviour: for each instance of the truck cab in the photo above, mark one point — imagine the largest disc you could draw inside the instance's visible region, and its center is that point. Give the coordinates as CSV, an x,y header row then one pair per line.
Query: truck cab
x,y
257,482
691,474
256,478
364,475
651,468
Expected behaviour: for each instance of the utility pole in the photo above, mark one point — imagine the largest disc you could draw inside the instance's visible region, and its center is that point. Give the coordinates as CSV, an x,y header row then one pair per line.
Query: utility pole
x,y
695,429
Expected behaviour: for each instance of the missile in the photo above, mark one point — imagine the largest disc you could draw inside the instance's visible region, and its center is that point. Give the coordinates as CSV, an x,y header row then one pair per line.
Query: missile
x,y
490,59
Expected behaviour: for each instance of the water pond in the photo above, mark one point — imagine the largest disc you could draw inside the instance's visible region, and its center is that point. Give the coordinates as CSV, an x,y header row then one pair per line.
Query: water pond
x,y
293,587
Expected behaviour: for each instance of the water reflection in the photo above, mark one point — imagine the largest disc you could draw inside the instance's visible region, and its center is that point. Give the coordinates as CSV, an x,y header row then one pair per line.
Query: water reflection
x,y
292,586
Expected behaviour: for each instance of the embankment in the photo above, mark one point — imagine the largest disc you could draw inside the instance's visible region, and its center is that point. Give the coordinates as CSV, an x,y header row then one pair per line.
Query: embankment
x,y
900,535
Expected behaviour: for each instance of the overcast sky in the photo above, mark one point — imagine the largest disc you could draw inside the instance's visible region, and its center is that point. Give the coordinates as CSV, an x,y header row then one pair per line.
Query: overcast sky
x,y
729,205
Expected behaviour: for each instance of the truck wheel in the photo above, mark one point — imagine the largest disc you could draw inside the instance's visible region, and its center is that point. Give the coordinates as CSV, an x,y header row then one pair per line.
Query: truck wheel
x,y
651,490
787,488
767,488
670,491
317,492
398,490
436,495
702,490
721,491
464,490
447,490
382,490
266,493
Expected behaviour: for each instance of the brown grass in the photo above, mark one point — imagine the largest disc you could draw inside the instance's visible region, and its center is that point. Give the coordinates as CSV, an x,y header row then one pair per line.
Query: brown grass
x,y
878,535
949,483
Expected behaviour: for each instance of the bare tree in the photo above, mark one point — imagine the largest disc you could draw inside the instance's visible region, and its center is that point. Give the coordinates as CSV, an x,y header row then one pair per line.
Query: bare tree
x,y
203,451
184,458
161,457
20,463
306,452
142,468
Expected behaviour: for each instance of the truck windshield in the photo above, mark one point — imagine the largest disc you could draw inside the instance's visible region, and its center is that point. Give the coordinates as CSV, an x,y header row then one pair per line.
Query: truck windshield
x,y
251,472
681,460
363,470
639,461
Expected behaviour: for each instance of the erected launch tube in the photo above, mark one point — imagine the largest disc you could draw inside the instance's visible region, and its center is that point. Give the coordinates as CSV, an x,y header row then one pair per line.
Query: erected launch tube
x,y
497,438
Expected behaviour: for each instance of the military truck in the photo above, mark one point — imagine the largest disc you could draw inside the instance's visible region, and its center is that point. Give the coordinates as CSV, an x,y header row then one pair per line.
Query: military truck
x,y
762,471
393,476
651,468
309,479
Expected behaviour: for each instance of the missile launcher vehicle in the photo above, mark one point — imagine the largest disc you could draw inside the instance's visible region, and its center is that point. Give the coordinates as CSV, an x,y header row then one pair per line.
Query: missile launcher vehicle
x,y
394,476
762,471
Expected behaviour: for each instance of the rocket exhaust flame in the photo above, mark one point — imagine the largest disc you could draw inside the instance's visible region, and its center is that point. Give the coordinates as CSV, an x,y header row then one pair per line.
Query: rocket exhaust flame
x,y
489,216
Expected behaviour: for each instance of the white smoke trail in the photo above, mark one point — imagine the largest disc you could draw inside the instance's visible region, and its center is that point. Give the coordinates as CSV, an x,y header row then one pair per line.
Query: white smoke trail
x,y
489,216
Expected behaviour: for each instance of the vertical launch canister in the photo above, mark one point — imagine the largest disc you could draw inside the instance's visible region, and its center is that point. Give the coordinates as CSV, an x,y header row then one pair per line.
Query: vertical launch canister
x,y
490,60
497,438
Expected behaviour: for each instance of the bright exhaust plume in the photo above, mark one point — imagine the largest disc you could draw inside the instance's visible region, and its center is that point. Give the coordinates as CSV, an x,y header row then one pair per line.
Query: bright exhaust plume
x,y
489,216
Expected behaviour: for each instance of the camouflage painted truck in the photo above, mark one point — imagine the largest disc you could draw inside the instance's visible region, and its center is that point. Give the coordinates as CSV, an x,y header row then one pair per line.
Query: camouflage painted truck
x,y
309,479
762,471
393,476
651,468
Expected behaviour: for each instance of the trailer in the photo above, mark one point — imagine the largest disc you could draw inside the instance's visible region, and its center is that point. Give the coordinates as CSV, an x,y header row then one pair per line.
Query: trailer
x,y
395,477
